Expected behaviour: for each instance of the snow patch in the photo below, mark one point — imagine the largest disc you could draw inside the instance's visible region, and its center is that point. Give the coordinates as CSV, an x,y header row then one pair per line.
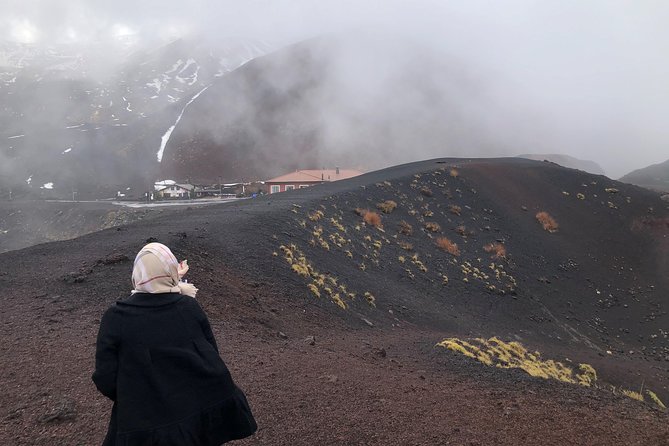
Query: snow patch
x,y
155,84
189,79
29,180
168,133
67,151
47,186
15,136
175,67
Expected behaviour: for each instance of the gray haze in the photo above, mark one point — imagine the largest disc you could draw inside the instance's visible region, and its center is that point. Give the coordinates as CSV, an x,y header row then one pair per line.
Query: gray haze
x,y
587,79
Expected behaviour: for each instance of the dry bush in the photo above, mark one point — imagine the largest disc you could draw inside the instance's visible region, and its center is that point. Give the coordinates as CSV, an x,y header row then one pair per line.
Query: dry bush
x,y
454,172
426,191
461,230
387,206
406,246
497,249
360,211
372,218
547,222
405,228
455,209
448,246
432,226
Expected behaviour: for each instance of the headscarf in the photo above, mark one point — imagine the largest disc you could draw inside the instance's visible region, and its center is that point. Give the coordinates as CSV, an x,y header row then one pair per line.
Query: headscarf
x,y
156,270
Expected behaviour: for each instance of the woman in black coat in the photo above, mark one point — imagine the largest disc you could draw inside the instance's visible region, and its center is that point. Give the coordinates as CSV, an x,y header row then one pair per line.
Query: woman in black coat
x,y
157,359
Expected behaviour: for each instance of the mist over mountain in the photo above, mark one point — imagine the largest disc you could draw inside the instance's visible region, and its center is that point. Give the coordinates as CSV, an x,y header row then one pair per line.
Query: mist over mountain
x,y
654,177
364,101
102,98
566,161
72,120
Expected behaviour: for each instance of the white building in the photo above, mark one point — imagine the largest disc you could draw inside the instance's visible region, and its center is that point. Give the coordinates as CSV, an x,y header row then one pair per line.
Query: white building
x,y
172,189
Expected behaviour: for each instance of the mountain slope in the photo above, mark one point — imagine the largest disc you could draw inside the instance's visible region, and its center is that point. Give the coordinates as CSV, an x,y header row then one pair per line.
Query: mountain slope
x,y
355,101
92,118
654,177
592,292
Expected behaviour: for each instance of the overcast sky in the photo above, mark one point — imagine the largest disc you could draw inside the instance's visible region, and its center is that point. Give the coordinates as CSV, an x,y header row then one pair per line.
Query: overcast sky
x,y
591,77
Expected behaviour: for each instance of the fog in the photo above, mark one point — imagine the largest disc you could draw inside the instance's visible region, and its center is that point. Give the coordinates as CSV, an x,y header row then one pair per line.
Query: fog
x,y
586,79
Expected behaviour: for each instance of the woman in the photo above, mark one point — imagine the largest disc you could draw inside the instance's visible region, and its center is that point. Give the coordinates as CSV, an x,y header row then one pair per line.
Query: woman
x,y
157,359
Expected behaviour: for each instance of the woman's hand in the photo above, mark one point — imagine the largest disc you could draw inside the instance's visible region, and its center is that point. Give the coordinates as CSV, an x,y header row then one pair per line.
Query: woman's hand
x,y
187,289
182,269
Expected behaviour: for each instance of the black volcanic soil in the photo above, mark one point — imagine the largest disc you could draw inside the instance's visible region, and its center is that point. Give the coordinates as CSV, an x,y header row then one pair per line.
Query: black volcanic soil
x,y
26,223
595,292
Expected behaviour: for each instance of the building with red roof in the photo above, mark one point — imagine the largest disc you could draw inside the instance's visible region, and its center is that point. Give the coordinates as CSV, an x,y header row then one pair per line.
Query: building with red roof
x,y
305,178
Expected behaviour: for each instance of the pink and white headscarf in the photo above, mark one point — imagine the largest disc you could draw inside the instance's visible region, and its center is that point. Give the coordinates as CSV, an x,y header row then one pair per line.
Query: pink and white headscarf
x,y
156,270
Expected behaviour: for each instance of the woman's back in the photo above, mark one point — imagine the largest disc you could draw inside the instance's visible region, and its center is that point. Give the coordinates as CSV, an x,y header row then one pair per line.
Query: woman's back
x,y
158,360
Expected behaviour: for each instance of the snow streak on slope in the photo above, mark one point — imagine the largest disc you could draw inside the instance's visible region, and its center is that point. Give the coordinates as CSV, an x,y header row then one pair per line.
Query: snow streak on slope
x,y
168,133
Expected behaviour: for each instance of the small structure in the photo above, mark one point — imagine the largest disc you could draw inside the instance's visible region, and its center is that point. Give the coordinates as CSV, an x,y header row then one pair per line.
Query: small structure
x,y
170,189
305,178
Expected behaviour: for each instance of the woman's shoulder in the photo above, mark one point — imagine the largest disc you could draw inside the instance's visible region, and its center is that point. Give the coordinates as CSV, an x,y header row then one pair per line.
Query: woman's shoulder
x,y
188,302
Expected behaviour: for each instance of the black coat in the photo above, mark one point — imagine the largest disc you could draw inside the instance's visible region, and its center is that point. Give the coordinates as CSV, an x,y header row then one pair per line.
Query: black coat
x,y
157,359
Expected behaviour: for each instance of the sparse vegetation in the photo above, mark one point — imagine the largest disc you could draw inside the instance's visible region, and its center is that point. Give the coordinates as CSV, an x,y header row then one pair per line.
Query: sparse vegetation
x,y
316,215
370,298
494,352
497,249
455,209
314,289
454,172
653,396
406,246
426,191
632,394
432,226
461,230
372,218
421,266
387,206
405,228
337,224
547,222
448,246
319,282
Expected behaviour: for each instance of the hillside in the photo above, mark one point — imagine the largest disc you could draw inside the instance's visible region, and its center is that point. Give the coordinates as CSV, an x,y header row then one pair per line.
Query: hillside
x,y
329,302
567,161
28,223
655,177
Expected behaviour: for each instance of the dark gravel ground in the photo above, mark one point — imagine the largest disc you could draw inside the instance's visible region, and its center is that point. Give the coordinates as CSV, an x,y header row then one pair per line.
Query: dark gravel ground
x,y
371,375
